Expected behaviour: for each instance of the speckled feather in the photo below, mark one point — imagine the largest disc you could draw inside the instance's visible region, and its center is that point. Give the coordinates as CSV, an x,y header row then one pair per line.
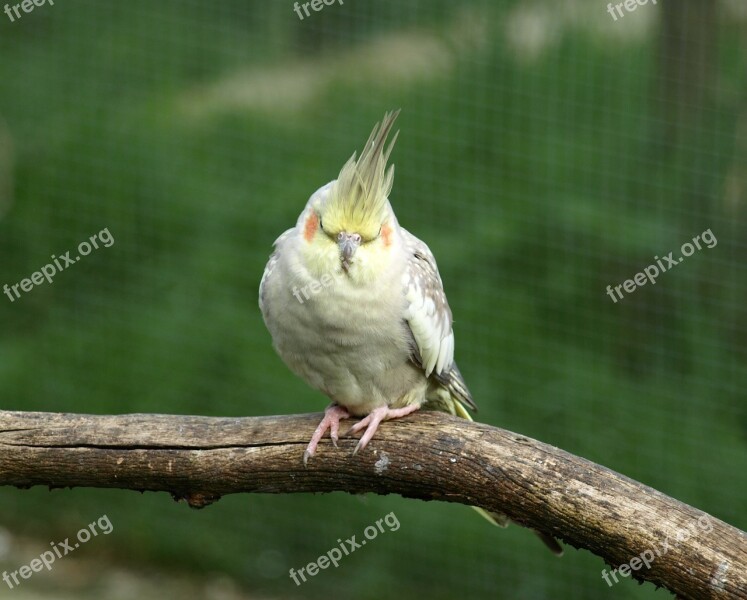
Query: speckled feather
x,y
381,334
373,330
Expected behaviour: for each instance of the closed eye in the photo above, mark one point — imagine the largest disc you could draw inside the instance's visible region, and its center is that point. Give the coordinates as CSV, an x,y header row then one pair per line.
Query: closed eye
x,y
324,231
373,239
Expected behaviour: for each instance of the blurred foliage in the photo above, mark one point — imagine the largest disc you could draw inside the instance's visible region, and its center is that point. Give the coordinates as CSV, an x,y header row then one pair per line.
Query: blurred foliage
x,y
542,157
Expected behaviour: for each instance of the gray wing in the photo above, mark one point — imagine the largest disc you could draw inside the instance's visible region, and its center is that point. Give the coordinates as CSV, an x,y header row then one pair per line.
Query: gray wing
x,y
274,257
429,319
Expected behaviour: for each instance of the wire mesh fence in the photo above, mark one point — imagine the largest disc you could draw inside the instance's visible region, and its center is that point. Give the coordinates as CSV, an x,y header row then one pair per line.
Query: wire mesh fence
x,y
579,170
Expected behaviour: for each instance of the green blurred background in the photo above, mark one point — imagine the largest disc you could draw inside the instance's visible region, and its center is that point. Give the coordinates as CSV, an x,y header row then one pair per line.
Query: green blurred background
x,y
546,151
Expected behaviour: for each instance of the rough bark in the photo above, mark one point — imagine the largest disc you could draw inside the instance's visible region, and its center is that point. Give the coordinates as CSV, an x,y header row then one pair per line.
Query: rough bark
x,y
430,456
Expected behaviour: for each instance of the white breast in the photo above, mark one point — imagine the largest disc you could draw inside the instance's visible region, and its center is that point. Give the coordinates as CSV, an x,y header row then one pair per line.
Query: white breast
x,y
346,339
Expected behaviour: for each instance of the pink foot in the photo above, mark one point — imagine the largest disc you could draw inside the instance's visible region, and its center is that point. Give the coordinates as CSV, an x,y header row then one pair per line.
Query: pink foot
x,y
376,416
333,414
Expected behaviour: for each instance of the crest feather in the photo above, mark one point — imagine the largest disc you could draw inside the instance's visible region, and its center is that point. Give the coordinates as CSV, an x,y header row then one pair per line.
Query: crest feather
x,y
358,199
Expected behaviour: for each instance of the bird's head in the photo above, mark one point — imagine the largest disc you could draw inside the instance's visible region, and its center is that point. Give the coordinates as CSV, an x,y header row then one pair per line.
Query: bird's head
x,y
349,224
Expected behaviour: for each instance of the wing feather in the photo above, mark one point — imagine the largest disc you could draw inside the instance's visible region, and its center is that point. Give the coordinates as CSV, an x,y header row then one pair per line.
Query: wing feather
x,y
429,318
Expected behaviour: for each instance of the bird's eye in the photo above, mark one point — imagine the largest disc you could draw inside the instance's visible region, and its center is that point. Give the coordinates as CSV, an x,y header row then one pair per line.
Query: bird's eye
x,y
321,227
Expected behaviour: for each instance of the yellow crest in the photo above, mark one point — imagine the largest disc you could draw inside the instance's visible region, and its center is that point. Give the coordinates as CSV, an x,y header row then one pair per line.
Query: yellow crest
x,y
358,199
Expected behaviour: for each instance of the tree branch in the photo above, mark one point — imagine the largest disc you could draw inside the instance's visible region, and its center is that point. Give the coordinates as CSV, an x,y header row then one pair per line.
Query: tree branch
x,y
430,456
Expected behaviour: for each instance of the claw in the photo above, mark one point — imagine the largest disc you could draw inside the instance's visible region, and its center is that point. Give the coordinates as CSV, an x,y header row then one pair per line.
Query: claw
x,y
372,421
334,429
331,420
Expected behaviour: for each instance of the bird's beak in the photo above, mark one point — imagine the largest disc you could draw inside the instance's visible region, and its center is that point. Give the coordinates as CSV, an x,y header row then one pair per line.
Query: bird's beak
x,y
348,244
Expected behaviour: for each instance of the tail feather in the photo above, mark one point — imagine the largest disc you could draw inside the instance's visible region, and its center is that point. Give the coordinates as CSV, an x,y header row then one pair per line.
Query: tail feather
x,y
501,520
443,401
494,518
550,542
454,383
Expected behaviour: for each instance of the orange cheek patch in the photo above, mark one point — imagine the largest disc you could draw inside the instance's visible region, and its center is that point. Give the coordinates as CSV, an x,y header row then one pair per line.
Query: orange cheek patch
x,y
312,224
386,235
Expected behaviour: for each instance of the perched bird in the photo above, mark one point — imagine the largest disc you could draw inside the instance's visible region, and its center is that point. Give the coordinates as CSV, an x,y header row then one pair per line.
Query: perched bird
x,y
356,307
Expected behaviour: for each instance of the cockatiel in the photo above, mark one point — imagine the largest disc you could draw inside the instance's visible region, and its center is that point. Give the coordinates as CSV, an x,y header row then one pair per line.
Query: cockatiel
x,y
356,307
